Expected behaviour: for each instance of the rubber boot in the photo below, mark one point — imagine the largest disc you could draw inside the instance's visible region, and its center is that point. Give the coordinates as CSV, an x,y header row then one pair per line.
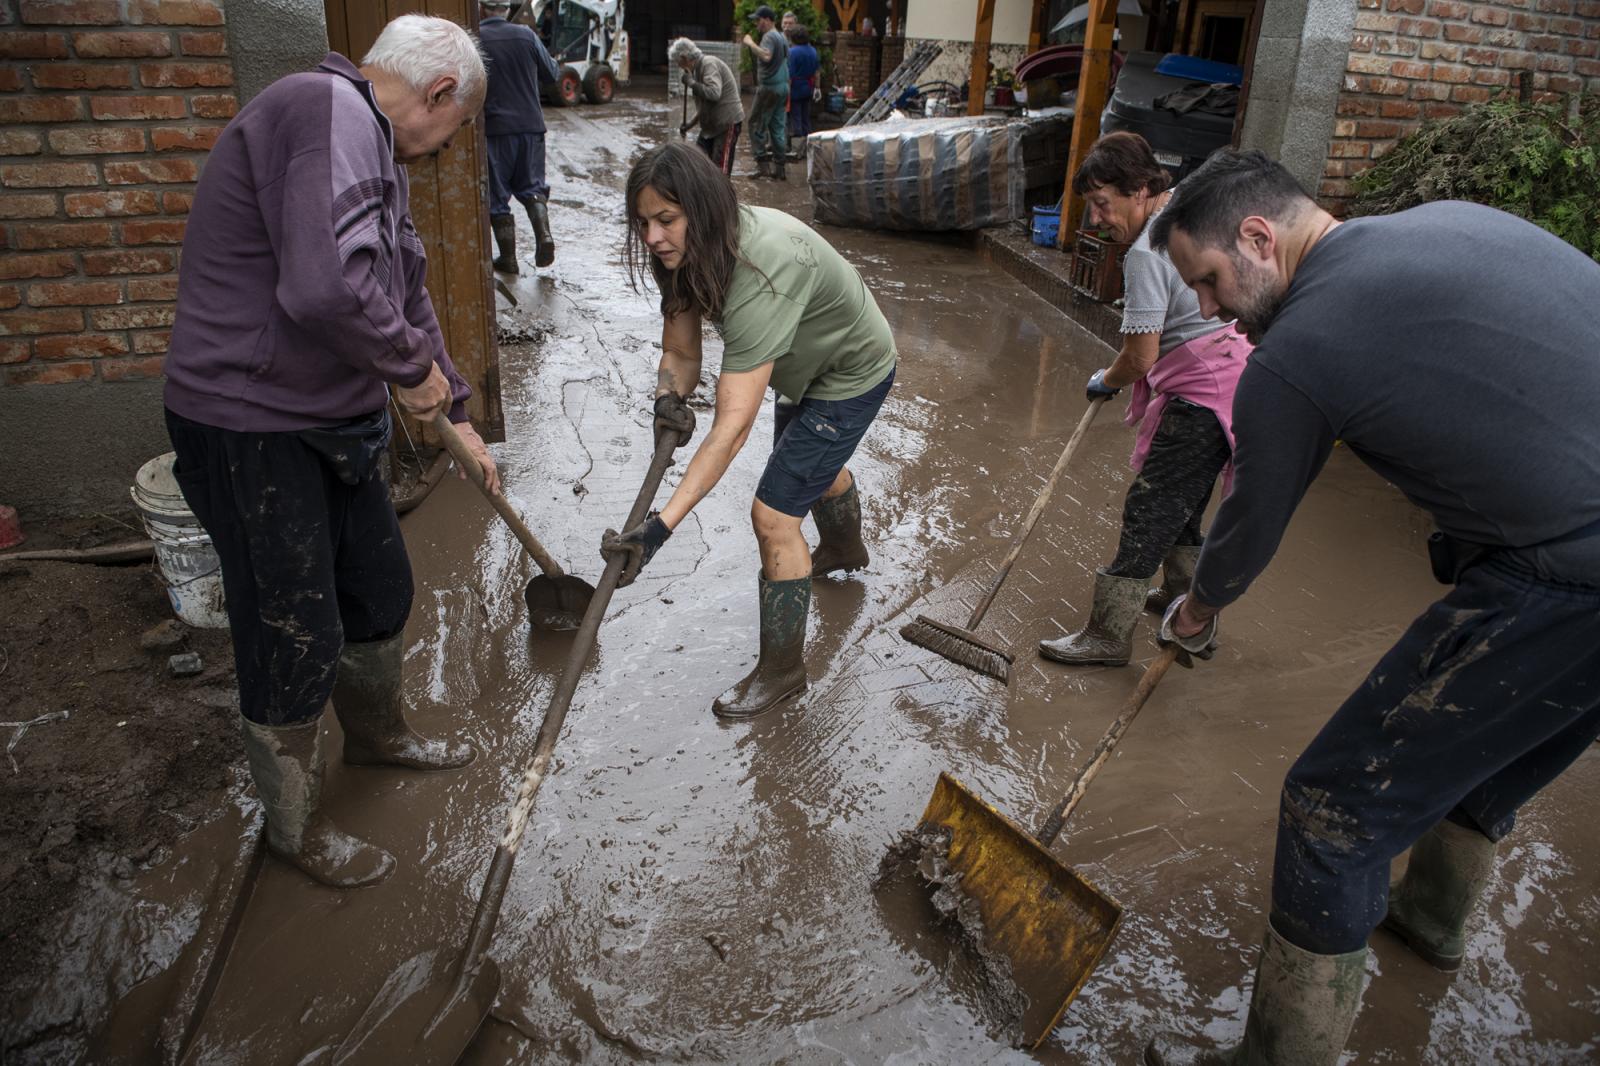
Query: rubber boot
x,y
1177,572
1300,1013
1108,638
778,173
1444,879
287,763
763,170
366,697
839,527
505,236
781,669
544,252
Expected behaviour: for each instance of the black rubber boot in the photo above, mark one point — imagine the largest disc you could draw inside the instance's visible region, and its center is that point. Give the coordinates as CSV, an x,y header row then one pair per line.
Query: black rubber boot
x,y
366,697
839,528
505,236
545,245
763,169
778,171
287,764
1177,572
781,669
1300,1012
1444,879
1108,638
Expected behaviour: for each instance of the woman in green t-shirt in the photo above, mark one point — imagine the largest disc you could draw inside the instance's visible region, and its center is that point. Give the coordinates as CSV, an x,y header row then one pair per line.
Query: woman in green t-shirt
x,y
794,316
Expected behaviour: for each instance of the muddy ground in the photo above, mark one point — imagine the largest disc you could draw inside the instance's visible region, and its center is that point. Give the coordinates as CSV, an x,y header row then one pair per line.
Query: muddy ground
x,y
691,891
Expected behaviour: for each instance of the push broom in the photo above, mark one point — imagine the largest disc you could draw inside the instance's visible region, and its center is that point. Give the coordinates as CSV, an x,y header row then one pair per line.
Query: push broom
x,y
964,647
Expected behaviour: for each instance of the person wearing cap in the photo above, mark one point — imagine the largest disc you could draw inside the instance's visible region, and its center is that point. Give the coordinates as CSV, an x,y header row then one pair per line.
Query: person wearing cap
x,y
513,121
768,138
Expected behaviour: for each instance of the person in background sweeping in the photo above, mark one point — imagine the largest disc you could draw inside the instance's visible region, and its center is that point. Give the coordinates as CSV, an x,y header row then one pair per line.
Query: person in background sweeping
x,y
718,110
769,115
1183,366
513,121
1453,349
300,300
803,66
794,316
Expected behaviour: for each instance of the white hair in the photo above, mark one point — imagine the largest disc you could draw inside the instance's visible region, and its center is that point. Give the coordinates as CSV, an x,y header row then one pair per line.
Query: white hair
x,y
420,49
682,48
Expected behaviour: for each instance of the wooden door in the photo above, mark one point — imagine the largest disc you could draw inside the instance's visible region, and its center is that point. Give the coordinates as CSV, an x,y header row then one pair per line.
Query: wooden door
x,y
450,205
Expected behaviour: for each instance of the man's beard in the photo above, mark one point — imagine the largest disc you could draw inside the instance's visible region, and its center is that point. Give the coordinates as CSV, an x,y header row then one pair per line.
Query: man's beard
x,y
1259,298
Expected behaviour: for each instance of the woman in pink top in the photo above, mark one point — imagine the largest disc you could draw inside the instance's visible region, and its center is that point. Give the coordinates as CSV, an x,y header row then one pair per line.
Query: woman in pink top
x,y
1183,368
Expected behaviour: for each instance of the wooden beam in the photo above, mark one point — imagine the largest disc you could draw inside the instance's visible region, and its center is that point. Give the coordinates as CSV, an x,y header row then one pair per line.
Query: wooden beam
x,y
1041,12
1094,87
978,83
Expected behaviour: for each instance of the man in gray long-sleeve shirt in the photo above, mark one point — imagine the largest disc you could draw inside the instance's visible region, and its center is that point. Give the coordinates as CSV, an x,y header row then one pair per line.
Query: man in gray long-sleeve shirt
x,y
718,110
300,302
1455,350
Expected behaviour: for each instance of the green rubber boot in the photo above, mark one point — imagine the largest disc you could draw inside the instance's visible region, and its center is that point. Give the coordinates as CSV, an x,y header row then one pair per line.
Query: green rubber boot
x,y
1177,572
1300,1013
366,697
839,529
287,764
1444,879
781,669
1108,638
505,236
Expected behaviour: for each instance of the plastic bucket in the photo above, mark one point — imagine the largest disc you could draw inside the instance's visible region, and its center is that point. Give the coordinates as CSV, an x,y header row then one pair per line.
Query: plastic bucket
x,y
1046,224
187,562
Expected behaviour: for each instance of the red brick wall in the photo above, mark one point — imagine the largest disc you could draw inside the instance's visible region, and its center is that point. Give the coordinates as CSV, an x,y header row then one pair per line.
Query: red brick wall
x,y
107,108
1417,59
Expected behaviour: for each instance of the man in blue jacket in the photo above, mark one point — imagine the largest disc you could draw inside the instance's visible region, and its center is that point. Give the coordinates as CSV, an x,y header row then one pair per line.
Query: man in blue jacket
x,y
513,120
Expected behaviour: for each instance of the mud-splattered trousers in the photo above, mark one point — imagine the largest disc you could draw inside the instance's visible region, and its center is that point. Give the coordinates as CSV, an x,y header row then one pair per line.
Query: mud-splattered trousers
x,y
308,561
1168,497
769,118
1489,695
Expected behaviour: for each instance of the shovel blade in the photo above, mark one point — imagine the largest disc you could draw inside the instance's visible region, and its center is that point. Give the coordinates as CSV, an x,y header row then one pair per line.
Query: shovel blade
x,y
416,1019
557,603
1050,924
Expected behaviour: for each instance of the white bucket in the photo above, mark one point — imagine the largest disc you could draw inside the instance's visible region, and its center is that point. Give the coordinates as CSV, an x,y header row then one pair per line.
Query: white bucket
x,y
184,555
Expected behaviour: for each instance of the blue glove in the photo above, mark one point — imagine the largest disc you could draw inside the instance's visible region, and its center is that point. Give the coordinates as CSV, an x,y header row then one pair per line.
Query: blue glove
x,y
1200,646
1098,389
638,546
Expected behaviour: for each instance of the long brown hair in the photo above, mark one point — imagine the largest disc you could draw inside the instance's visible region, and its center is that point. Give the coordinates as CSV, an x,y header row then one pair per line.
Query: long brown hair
x,y
1124,161
686,178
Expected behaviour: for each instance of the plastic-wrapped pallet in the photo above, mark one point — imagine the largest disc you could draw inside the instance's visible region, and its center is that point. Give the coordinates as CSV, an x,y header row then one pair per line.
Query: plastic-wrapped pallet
x,y
937,173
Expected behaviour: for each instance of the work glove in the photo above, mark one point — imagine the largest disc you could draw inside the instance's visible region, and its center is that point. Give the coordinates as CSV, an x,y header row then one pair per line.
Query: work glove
x,y
673,415
638,546
1200,646
683,131
1097,388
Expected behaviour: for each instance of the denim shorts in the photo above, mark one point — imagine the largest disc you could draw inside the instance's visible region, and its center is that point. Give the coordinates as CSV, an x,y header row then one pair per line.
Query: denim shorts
x,y
812,440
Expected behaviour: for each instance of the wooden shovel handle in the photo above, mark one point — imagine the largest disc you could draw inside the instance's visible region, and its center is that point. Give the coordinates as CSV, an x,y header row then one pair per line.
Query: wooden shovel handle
x,y
1080,785
1028,523
469,463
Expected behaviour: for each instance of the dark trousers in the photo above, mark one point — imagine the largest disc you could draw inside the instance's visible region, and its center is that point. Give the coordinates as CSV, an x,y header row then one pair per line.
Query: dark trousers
x,y
799,116
721,148
516,169
1489,695
1168,498
768,116
308,561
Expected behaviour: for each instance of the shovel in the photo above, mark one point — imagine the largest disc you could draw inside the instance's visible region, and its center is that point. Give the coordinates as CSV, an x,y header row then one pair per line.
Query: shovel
x,y
440,1017
556,599
1048,922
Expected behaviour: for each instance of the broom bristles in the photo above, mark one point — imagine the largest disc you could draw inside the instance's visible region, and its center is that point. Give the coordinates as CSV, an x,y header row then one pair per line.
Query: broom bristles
x,y
960,646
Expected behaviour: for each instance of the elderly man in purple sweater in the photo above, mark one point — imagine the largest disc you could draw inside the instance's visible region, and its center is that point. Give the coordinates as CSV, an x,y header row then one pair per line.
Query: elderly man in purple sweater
x,y
300,303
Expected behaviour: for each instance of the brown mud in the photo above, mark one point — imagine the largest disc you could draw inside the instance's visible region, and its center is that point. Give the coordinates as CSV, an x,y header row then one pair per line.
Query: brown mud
x,y
691,891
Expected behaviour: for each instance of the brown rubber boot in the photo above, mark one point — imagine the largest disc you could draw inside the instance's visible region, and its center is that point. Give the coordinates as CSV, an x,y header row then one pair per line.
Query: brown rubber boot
x,y
781,669
1444,879
539,214
839,528
1108,638
505,236
1300,1012
1177,572
366,697
287,763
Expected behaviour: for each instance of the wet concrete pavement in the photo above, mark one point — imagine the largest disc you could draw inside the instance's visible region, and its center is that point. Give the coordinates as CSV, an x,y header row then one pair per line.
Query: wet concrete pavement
x,y
691,891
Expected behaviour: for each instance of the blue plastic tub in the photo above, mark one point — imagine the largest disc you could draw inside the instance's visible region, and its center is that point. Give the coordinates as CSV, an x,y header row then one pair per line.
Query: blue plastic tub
x,y
1046,225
